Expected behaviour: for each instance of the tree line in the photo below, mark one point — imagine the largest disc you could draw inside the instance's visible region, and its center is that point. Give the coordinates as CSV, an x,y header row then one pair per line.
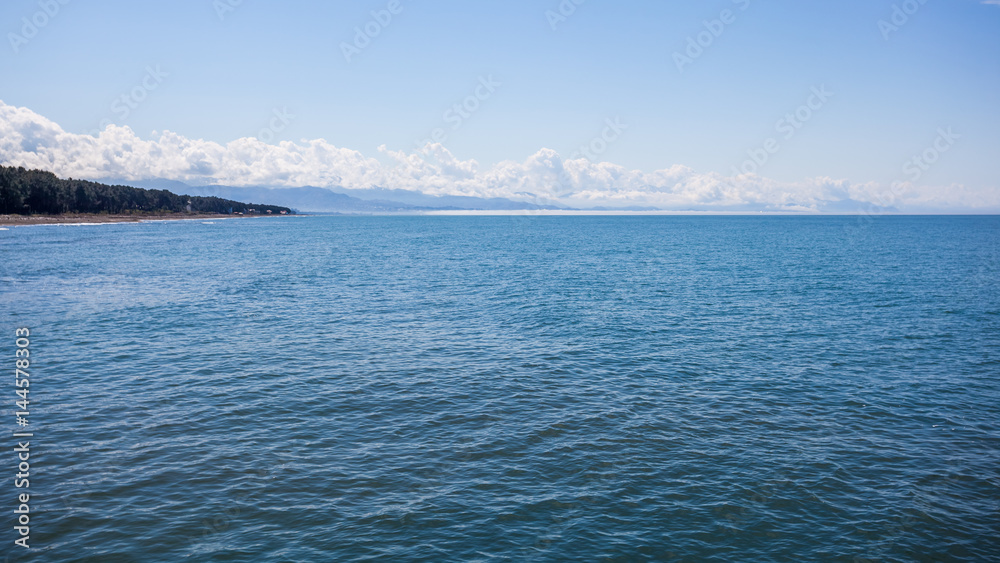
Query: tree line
x,y
30,192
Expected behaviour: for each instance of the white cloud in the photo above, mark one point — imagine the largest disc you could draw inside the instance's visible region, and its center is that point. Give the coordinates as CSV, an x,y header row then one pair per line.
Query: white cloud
x,y
30,140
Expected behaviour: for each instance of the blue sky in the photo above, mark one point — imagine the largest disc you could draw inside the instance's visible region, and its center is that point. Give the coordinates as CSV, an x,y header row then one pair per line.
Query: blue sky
x,y
557,87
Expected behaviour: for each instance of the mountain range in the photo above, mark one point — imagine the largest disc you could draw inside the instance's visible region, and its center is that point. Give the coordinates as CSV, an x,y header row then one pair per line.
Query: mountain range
x,y
311,199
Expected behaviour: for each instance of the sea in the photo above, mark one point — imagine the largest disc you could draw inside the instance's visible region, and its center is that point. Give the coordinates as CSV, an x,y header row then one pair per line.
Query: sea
x,y
505,388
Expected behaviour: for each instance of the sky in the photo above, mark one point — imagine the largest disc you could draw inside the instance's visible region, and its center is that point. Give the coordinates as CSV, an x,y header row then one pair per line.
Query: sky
x,y
783,104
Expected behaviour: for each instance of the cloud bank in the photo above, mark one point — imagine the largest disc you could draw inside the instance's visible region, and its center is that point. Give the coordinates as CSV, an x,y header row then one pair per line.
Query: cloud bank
x,y
30,140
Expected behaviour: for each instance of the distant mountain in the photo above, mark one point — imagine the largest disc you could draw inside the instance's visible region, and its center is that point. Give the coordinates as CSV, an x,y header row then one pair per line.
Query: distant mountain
x,y
410,197
343,200
627,208
313,200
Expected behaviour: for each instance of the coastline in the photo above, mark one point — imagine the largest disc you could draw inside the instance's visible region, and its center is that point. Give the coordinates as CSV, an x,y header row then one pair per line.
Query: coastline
x,y
24,220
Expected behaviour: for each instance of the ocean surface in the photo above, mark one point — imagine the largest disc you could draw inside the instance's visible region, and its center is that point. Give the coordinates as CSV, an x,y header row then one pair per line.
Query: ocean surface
x,y
513,388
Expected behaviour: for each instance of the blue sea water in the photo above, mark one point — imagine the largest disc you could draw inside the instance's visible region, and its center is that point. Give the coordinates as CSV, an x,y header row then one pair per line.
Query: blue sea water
x,y
508,389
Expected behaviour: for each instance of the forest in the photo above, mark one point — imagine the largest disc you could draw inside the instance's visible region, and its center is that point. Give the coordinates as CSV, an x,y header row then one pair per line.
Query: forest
x,y
34,192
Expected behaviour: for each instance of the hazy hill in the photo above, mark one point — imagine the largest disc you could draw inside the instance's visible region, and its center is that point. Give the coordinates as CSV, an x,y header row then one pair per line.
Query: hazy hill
x,y
343,200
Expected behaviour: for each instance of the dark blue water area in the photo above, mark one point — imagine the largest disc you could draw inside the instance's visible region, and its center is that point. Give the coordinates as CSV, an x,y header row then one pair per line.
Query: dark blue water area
x,y
512,388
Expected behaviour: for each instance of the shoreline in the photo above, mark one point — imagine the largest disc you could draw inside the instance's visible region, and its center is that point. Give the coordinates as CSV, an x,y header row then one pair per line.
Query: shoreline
x,y
96,218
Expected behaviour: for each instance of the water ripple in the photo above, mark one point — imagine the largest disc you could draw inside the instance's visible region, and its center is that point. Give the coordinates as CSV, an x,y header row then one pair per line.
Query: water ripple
x,y
513,389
